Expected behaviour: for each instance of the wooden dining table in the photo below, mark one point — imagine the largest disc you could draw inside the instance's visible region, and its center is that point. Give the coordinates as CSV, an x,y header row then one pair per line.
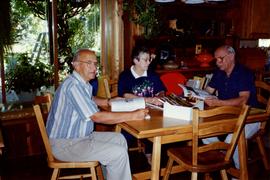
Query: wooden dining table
x,y
162,130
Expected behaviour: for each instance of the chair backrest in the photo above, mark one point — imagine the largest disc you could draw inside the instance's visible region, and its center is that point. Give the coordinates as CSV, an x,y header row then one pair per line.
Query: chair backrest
x,y
223,120
263,97
44,100
38,102
43,131
263,94
107,88
171,81
110,88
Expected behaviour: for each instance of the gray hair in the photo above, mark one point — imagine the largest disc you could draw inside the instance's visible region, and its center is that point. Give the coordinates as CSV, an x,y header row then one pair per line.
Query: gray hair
x,y
229,49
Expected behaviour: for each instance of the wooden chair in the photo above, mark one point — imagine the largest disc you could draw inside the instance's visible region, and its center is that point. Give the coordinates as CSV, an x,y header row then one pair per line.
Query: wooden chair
x,y
215,156
57,164
107,88
110,88
263,97
44,100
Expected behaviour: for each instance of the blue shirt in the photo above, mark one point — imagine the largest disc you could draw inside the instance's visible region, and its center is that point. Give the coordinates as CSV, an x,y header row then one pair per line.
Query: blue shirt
x,y
145,86
94,84
241,79
72,106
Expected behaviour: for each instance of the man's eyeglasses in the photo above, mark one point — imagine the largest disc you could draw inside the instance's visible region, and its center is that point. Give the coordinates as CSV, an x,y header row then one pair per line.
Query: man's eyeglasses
x,y
89,63
222,57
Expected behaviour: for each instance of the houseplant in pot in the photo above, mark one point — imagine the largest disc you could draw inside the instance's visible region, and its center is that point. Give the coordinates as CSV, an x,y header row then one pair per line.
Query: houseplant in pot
x,y
143,13
25,77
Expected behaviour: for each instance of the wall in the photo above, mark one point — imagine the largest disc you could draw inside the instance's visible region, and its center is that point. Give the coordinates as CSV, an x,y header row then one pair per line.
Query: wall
x,y
254,19
244,19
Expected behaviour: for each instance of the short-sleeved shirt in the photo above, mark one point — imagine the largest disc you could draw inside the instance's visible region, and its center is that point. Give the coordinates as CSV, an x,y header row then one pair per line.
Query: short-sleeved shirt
x,y
241,79
72,106
144,86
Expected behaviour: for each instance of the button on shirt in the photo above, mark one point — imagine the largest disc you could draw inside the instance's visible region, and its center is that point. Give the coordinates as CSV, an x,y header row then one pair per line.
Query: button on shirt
x,y
241,79
71,109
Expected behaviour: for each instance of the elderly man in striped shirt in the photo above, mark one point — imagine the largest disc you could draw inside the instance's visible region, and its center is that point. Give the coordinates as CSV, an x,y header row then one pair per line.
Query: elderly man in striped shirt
x,y
74,111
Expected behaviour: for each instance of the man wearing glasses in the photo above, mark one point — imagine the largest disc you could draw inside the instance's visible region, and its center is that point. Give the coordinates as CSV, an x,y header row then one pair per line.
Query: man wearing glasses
x,y
71,119
234,85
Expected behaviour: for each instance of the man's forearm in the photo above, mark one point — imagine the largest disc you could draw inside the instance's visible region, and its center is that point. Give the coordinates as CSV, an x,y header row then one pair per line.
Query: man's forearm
x,y
106,117
101,101
232,102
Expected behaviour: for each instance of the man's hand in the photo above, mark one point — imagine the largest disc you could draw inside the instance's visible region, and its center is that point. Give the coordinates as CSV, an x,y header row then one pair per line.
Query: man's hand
x,y
140,114
242,99
212,101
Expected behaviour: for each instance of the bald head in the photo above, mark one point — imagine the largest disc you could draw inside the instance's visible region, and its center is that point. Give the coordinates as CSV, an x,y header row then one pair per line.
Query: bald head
x,y
226,49
85,63
82,52
225,58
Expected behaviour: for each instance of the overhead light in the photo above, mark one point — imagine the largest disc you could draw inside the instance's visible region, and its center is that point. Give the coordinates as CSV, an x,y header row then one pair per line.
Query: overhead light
x,y
193,1
164,1
200,1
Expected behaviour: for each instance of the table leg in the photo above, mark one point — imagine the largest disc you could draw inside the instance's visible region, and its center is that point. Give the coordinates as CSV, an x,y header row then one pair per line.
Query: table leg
x,y
243,156
156,158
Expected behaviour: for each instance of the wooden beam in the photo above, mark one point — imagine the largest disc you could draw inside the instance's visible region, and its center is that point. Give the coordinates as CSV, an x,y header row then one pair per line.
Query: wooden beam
x,y
55,44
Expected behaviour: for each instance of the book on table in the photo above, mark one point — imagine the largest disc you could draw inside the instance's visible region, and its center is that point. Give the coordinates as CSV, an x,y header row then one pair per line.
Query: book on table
x,y
127,104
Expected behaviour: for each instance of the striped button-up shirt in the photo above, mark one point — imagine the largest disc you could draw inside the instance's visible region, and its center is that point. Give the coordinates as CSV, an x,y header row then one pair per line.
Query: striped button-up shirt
x,y
72,106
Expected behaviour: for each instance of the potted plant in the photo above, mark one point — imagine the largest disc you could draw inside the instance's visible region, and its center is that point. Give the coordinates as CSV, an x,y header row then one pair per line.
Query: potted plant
x,y
143,13
25,77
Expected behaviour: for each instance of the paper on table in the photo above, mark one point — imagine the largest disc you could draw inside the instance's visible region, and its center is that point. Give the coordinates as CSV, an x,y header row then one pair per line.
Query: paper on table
x,y
178,112
194,92
125,105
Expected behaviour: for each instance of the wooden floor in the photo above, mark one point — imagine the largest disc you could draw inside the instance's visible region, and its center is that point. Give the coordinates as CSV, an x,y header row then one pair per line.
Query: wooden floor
x,y
35,168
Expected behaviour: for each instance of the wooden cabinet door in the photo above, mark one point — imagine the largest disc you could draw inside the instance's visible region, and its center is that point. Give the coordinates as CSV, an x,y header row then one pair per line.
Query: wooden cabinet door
x,y
255,17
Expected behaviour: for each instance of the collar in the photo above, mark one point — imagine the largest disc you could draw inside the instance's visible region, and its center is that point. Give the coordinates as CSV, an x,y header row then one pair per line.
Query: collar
x,y
78,77
135,74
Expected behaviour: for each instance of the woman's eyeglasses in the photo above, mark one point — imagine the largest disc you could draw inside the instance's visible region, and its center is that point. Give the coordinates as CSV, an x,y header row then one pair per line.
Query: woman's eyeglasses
x,y
147,60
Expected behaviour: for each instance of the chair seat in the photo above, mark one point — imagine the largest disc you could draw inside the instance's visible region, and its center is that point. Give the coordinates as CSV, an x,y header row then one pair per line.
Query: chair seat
x,y
210,160
63,164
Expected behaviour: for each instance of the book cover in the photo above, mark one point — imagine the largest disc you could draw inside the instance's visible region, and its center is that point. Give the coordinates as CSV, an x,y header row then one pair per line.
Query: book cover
x,y
126,105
